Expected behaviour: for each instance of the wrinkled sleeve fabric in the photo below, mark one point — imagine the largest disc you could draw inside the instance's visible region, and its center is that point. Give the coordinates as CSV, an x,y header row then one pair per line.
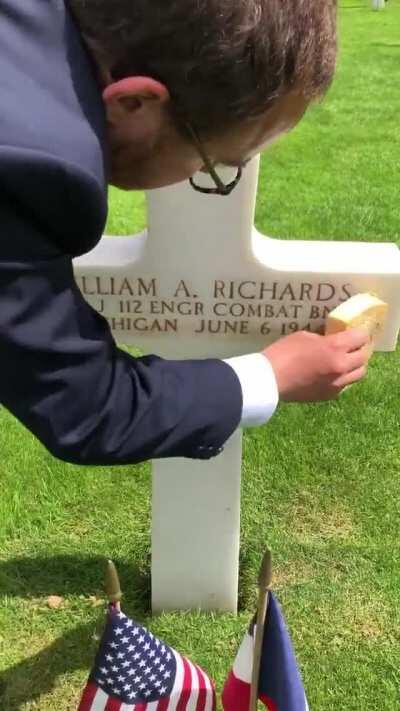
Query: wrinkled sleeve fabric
x,y
62,375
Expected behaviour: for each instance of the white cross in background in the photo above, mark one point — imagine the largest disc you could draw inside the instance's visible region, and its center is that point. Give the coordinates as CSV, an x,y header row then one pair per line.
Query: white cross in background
x,y
378,4
203,282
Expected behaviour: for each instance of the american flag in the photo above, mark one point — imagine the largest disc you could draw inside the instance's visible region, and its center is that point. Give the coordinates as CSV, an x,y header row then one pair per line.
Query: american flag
x,y
280,687
135,671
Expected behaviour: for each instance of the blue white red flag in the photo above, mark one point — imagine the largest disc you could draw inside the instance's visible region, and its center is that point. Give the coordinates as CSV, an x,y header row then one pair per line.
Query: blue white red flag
x,y
135,671
280,686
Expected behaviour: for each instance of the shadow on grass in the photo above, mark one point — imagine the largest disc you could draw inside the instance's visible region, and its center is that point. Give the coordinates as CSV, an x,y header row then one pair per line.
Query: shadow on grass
x,y
72,575
29,680
62,575
67,575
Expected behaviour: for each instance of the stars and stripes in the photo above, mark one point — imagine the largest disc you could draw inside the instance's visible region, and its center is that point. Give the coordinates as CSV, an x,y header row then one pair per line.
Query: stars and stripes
x,y
135,671
280,687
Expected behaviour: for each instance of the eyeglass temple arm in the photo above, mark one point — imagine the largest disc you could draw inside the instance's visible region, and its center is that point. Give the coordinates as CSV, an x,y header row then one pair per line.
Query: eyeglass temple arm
x,y
207,163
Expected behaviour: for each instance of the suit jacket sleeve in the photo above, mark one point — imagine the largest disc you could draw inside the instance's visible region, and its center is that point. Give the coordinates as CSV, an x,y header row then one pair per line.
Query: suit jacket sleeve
x,y
62,375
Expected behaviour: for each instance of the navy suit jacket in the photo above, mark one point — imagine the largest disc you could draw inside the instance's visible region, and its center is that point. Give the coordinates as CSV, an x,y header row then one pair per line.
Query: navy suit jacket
x,y
61,373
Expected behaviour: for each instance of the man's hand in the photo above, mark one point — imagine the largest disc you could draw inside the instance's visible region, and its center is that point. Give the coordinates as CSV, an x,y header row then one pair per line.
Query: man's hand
x,y
309,367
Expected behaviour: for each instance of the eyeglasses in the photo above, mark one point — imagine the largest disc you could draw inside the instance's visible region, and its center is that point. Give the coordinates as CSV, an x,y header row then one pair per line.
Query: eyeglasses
x,y
221,188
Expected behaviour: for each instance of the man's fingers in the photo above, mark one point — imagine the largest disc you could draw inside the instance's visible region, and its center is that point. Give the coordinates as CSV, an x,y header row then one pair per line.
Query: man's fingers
x,y
350,378
351,340
356,359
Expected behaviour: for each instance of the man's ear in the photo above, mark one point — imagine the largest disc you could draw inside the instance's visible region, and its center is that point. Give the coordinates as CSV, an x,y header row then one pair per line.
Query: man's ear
x,y
128,95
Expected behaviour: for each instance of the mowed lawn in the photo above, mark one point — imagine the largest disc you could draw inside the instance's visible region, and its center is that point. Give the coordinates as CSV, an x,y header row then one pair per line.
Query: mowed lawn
x,y
321,483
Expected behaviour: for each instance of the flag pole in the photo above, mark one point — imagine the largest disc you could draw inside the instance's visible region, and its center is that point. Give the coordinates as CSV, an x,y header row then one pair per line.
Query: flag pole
x,y
264,582
112,585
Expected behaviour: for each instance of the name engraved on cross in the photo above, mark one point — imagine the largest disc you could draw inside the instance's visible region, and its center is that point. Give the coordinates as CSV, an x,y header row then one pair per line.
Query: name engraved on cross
x,y
247,307
201,281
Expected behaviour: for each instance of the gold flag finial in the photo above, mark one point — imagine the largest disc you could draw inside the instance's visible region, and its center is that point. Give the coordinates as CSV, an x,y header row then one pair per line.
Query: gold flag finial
x,y
265,574
112,585
264,582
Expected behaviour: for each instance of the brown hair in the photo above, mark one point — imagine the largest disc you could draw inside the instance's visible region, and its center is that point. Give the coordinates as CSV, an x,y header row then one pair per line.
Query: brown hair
x,y
221,60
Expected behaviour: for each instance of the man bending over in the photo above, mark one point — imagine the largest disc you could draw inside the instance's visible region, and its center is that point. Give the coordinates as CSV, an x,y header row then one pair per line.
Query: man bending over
x,y
141,94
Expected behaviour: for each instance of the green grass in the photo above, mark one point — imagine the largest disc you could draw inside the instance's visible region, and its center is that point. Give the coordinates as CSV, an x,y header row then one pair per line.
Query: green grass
x,y
320,483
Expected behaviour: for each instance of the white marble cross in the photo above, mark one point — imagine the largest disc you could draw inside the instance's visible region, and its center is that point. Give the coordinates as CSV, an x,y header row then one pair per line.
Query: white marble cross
x,y
203,282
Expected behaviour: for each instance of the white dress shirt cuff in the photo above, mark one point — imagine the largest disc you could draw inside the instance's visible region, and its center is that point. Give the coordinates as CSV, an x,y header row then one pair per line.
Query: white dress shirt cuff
x,y
259,388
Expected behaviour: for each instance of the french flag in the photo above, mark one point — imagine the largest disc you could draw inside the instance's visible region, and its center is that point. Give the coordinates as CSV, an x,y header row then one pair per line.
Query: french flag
x,y
280,687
